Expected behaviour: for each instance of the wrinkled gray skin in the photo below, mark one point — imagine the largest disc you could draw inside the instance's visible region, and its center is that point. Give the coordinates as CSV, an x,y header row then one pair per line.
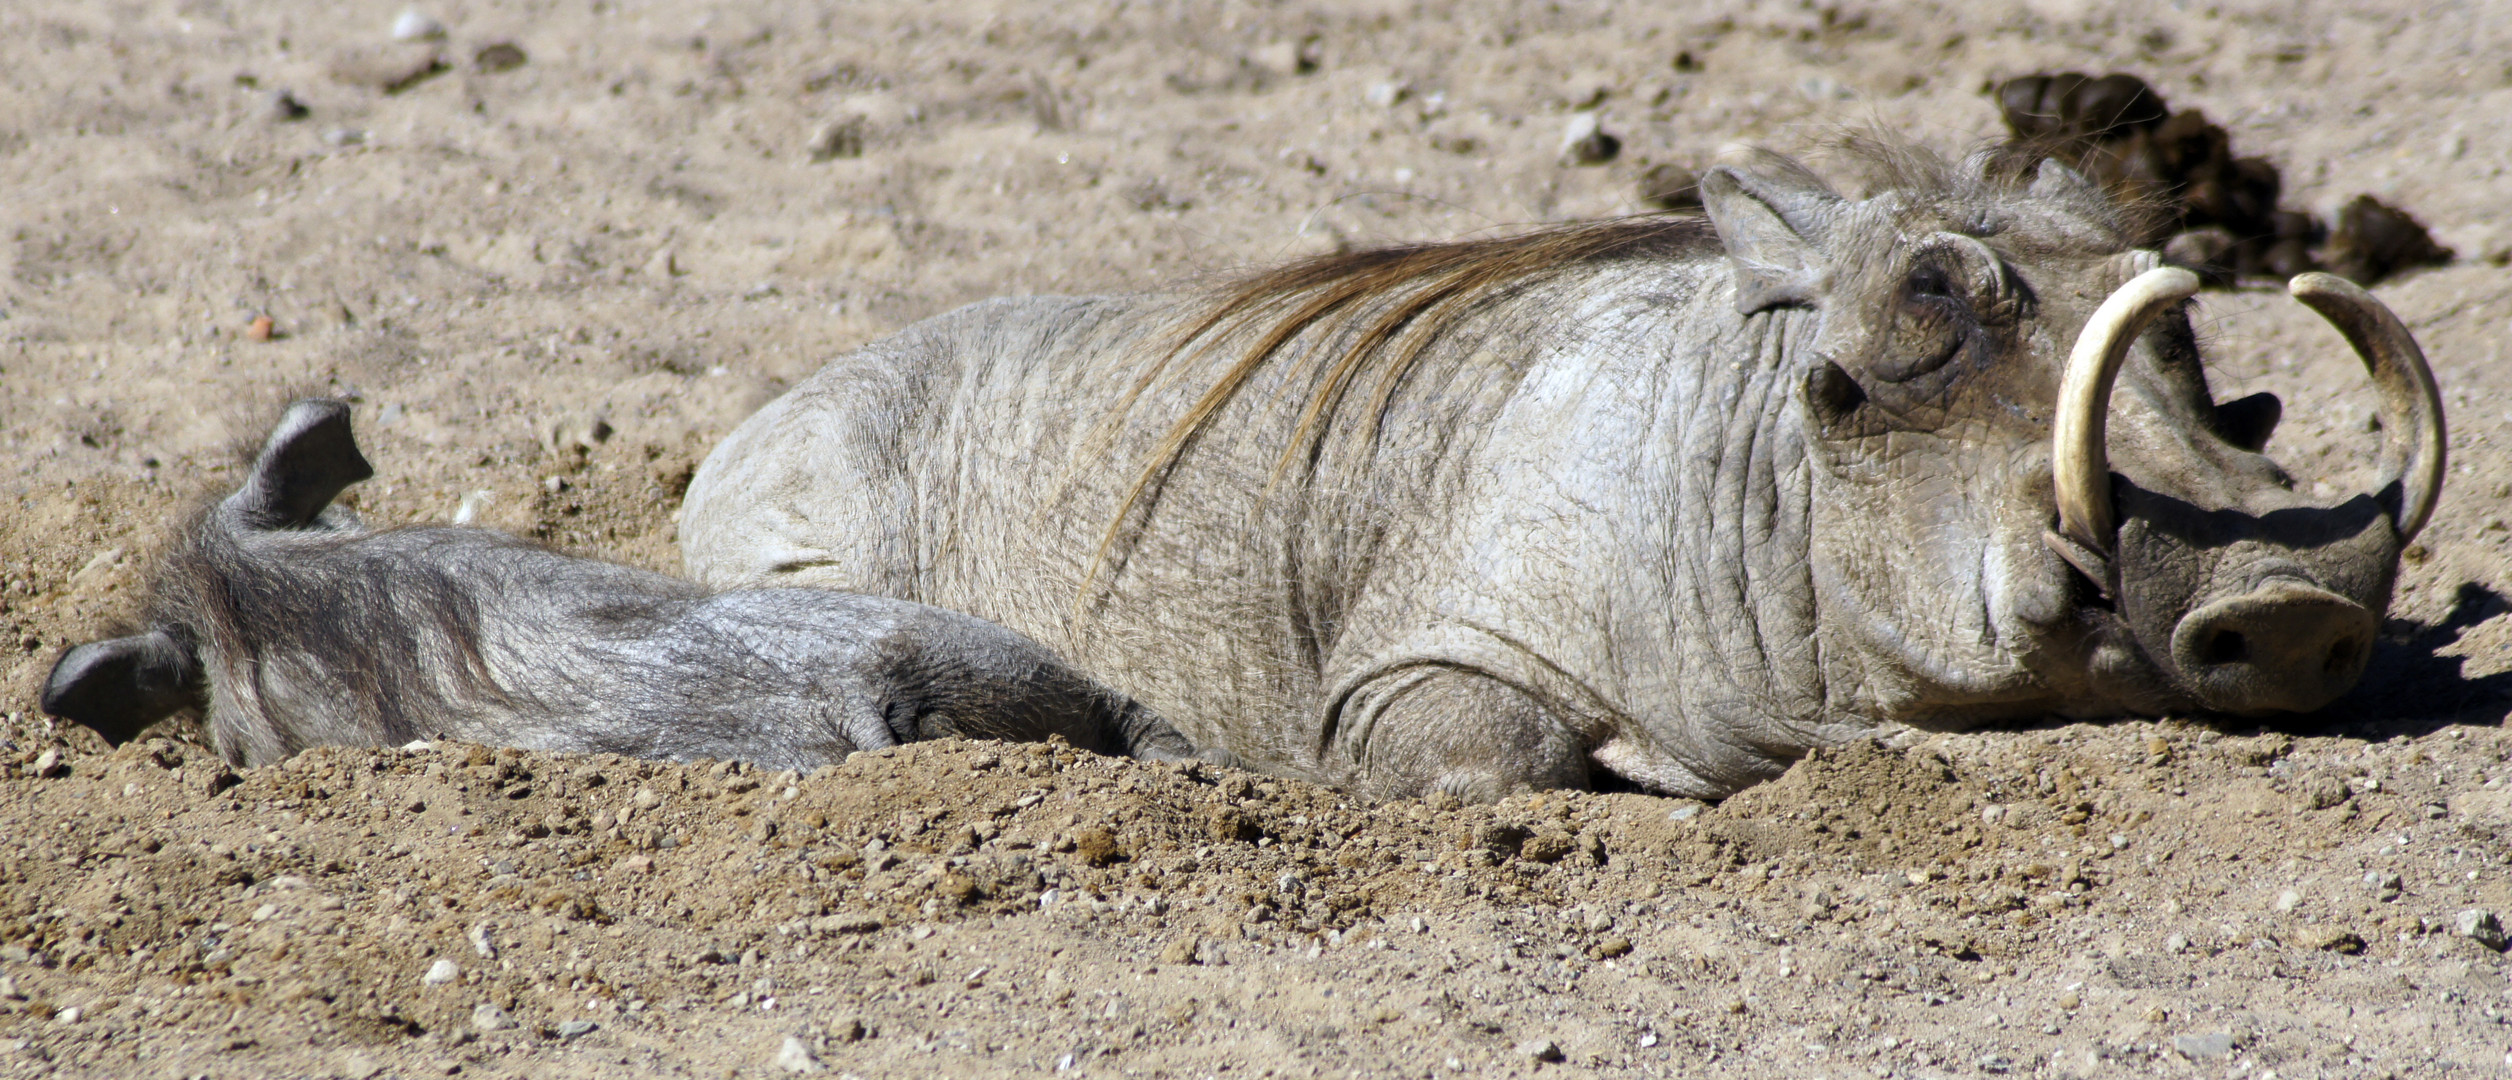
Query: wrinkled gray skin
x,y
1674,517
295,627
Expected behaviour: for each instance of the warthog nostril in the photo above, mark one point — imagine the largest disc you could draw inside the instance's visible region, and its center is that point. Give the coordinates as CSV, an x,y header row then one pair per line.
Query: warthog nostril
x,y
2224,647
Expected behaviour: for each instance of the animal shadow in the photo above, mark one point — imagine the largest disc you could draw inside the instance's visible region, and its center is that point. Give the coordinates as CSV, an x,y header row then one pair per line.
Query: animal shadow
x,y
2410,688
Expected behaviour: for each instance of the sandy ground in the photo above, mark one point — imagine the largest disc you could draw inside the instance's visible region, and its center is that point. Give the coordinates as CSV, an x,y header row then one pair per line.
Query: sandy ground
x,y
550,288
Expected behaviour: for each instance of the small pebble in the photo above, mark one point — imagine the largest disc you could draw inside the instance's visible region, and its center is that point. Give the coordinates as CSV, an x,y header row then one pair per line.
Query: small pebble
x,y
1288,57
344,136
795,1056
1540,1050
487,1016
1387,94
2213,1044
575,1028
441,972
416,25
2289,900
1584,141
837,139
68,1016
2481,926
48,763
262,328
2175,944
285,107
497,57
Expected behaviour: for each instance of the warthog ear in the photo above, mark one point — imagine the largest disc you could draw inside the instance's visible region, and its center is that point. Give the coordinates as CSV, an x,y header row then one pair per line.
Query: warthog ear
x,y
1772,214
304,464
2247,422
120,686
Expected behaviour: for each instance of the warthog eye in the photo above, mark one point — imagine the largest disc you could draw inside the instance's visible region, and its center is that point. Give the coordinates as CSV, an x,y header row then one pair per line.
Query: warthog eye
x,y
1932,282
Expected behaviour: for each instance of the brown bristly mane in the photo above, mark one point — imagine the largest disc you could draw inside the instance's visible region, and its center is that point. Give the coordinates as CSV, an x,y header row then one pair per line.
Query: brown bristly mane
x,y
1426,289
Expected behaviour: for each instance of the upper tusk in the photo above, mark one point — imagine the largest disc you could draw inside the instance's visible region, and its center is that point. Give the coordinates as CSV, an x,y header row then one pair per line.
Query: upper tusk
x,y
2411,406
2080,461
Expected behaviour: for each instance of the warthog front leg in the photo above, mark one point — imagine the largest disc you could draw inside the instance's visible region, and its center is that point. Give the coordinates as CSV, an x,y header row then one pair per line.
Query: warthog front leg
x,y
1431,728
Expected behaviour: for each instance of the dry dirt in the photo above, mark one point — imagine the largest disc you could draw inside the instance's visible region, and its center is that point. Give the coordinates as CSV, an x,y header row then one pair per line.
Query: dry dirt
x,y
550,288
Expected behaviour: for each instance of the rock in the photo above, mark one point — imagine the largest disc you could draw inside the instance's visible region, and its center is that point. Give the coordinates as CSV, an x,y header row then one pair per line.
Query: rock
x,y
2213,1044
212,778
390,70
1584,141
2347,942
262,328
576,1029
361,1067
2481,926
96,571
2324,791
2289,899
2175,943
1096,846
1612,947
488,1016
284,107
576,435
1179,950
847,1030
482,943
441,972
794,1056
1549,846
1385,95
2385,884
498,57
1289,57
416,25
48,763
843,138
1540,1050
1499,838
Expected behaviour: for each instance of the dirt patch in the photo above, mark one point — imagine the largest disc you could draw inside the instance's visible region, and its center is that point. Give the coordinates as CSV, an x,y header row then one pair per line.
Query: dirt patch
x,y
551,280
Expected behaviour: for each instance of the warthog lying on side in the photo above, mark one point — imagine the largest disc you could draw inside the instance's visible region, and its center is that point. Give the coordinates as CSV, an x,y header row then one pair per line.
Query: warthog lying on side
x,y
297,627
1670,498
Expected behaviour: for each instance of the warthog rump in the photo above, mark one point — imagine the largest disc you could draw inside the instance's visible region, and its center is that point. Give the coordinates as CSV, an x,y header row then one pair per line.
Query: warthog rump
x,y
294,626
1667,498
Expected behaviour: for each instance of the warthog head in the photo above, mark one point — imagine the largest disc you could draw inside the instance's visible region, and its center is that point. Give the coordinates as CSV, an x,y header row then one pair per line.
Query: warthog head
x,y
2025,499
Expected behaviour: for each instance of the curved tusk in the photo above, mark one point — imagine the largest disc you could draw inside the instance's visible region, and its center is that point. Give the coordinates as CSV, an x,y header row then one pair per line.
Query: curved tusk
x,y
2080,461
2411,406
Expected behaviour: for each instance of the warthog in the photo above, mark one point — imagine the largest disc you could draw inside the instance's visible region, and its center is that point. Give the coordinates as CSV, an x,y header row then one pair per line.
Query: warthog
x,y
1666,498
294,626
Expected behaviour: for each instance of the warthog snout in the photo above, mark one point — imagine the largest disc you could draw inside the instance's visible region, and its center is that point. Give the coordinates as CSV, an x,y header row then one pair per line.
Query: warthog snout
x,y
2286,646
